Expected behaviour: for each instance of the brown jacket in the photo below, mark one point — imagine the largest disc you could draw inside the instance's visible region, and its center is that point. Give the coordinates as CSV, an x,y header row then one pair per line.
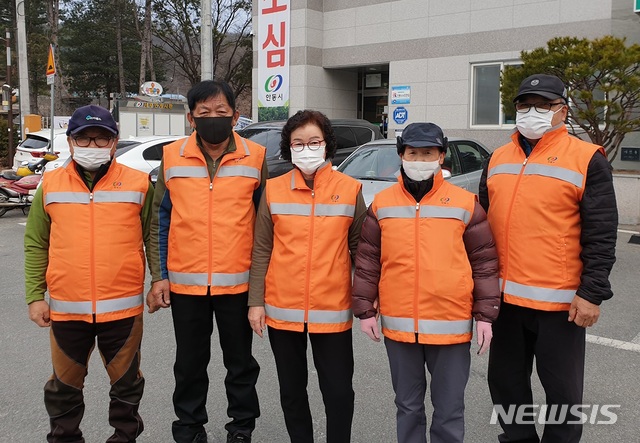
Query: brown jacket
x,y
480,249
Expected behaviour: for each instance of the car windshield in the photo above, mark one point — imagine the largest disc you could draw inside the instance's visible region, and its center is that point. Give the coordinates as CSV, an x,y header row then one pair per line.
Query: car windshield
x,y
267,137
373,162
34,143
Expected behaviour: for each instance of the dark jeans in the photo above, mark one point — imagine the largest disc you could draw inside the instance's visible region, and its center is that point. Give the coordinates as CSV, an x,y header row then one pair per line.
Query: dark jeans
x,y
519,335
71,345
333,359
193,324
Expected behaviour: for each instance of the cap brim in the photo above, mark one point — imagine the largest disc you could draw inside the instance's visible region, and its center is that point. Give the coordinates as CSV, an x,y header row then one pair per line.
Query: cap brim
x,y
545,94
80,128
421,144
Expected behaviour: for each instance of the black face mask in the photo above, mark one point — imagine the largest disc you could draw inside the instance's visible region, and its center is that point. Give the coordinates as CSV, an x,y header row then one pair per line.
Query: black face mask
x,y
213,130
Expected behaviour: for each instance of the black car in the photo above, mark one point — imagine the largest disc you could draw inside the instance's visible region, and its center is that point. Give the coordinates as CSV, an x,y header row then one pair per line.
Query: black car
x,y
350,133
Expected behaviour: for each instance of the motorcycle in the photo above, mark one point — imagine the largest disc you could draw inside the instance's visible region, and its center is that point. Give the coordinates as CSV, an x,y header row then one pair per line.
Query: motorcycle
x,y
17,189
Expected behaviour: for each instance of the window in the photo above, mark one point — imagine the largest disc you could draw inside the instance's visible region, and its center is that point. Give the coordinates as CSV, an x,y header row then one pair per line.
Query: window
x,y
471,156
345,137
486,102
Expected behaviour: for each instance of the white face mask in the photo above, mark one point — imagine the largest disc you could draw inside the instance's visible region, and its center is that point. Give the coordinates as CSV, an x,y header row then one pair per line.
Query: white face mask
x,y
308,161
533,124
91,158
419,171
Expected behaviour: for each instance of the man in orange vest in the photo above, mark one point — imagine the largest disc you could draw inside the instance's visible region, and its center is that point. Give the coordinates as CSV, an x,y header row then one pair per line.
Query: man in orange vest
x,y
84,243
204,210
427,254
551,205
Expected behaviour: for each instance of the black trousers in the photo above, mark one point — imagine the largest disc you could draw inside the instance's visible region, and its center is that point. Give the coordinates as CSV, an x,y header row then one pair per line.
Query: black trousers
x,y
193,325
333,359
519,335
72,343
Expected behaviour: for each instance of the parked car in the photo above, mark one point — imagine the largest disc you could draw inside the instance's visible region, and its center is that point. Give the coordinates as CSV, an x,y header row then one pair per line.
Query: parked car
x,y
36,144
350,133
143,153
377,165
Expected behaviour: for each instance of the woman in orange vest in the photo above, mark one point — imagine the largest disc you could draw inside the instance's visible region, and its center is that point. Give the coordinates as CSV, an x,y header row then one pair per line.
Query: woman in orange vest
x,y
307,230
428,259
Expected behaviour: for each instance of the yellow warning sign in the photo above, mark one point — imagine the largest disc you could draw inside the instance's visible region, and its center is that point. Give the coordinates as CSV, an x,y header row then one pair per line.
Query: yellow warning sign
x,y
51,64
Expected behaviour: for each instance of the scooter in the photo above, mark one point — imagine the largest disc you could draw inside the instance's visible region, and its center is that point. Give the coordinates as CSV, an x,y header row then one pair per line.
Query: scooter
x,y
17,189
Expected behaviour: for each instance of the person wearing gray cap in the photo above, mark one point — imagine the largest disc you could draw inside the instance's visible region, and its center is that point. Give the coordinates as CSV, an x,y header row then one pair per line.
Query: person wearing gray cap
x,y
551,205
426,264
84,244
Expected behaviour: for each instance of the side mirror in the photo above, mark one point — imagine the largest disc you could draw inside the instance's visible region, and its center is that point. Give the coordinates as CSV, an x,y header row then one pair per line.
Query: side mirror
x,y
446,173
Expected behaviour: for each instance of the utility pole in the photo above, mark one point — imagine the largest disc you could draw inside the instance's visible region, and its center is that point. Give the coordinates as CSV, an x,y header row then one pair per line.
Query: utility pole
x,y
206,42
23,67
8,85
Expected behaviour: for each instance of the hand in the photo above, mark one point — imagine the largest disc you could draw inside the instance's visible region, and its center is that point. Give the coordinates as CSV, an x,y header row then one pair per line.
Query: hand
x,y
583,313
484,334
39,313
159,296
370,327
256,319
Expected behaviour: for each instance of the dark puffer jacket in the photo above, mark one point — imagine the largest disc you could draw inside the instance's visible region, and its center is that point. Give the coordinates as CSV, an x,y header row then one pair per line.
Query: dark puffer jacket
x,y
481,251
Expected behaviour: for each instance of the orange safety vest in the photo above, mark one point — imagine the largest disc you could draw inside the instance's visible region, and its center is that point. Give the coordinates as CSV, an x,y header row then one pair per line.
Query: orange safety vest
x,y
96,257
212,221
534,213
426,285
309,275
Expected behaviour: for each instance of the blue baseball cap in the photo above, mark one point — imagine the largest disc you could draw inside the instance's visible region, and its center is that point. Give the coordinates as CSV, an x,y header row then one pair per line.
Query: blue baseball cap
x,y
91,116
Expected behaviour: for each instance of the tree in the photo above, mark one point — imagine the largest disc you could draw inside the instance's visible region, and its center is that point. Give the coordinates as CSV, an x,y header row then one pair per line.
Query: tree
x,y
603,81
178,25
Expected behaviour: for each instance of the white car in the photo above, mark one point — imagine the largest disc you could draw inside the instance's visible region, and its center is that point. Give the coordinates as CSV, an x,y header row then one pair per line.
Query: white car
x,y
36,144
143,153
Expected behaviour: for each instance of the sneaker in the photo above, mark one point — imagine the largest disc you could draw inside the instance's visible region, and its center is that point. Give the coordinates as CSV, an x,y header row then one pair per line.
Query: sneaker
x,y
238,437
200,437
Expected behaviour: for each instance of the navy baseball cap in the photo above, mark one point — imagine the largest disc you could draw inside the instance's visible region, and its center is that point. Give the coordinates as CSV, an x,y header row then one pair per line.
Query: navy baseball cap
x,y
547,86
422,135
91,116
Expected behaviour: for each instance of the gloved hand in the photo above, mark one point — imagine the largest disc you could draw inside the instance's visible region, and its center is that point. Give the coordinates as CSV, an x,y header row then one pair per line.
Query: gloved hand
x,y
370,327
484,334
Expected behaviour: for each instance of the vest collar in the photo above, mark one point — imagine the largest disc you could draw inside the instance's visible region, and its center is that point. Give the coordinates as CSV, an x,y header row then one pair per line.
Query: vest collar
x,y
323,174
548,139
438,180
190,148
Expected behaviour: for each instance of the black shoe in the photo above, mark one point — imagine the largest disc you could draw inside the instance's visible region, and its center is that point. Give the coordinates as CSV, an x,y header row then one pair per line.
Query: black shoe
x,y
238,437
200,437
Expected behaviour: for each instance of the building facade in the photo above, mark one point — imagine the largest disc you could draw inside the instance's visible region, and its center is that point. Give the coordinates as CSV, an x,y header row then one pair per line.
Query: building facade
x,y
436,60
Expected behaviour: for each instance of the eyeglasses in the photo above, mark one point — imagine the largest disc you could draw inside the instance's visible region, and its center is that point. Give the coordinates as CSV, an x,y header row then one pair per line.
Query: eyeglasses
x,y
100,141
313,145
542,108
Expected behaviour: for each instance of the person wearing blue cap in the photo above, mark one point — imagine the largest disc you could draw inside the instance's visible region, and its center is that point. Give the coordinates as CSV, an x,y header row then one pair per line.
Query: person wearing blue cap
x,y
84,244
426,264
551,204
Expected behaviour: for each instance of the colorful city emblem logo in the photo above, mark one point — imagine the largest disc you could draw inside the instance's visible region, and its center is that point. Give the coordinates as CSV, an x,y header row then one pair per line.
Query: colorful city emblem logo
x,y
445,200
552,159
273,83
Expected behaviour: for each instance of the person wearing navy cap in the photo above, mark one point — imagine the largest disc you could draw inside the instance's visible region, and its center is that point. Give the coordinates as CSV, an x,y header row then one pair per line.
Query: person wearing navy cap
x,y
426,265
551,205
83,244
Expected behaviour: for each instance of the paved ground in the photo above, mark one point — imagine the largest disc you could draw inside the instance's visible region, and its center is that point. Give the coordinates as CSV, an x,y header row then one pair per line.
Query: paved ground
x,y
611,374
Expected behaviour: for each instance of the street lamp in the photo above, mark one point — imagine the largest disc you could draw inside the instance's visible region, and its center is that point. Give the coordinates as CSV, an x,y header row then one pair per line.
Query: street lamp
x,y
8,95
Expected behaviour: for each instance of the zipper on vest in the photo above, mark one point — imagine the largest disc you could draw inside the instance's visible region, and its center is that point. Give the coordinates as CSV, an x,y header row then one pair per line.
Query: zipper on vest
x,y
307,296
209,224
92,255
417,261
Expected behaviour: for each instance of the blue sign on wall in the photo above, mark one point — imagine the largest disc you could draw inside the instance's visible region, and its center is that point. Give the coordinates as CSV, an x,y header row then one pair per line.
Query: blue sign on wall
x,y
400,115
401,95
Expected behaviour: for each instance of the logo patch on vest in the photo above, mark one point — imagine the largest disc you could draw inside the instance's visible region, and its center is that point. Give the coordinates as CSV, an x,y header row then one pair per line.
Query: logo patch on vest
x,y
335,198
552,159
117,185
445,200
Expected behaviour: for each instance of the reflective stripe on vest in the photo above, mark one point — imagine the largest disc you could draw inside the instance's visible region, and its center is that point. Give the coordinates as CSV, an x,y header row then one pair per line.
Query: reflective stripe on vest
x,y
186,171
202,279
539,294
238,171
322,210
315,316
102,306
403,324
564,174
426,211
98,197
